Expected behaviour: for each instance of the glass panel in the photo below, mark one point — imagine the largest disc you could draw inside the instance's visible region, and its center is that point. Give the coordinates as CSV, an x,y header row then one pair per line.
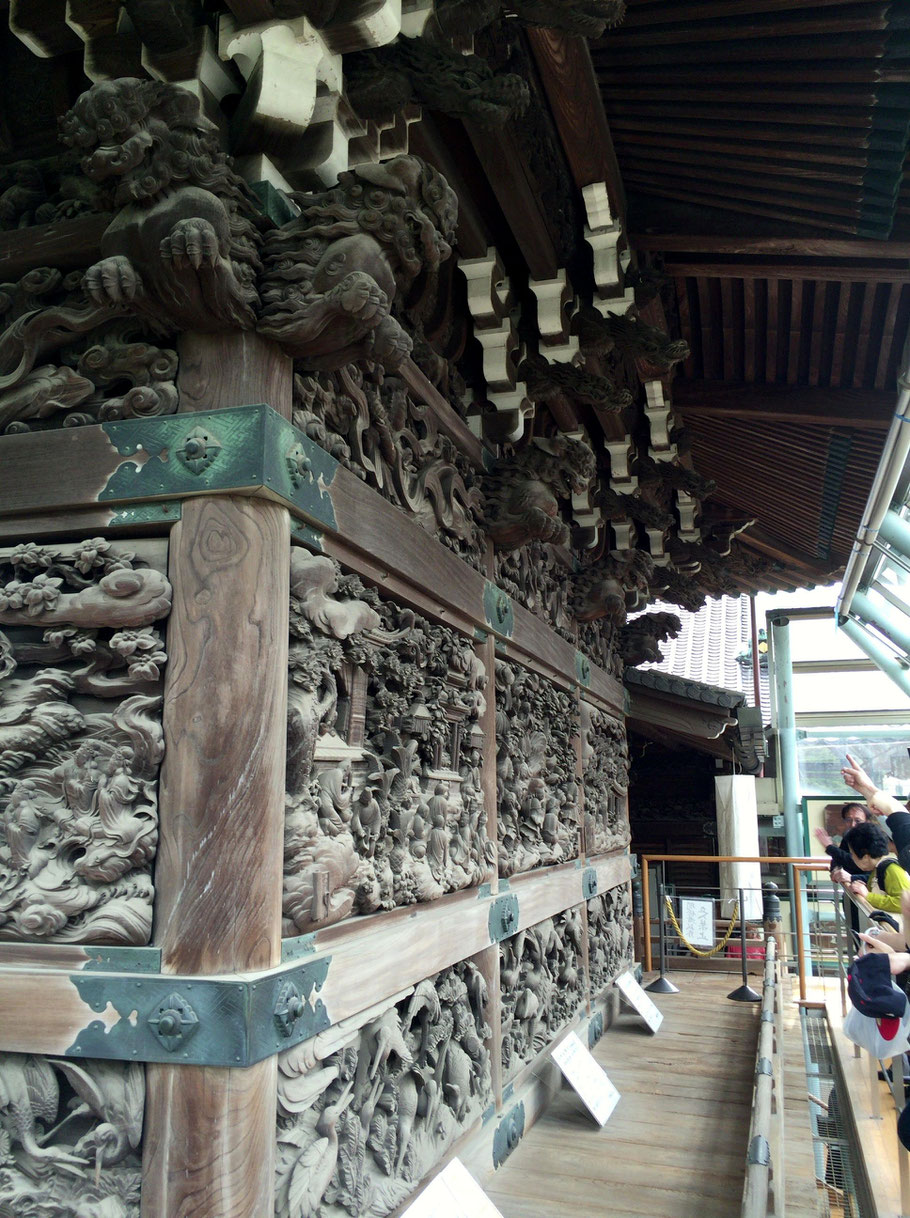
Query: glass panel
x,y
884,756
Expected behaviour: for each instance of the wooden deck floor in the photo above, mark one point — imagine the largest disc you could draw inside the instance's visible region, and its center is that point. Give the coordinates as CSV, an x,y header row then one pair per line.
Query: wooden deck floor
x,y
675,1146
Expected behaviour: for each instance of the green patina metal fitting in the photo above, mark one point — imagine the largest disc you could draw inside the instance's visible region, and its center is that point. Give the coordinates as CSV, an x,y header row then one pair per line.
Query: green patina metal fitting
x,y
244,449
299,470
160,512
187,454
595,1028
305,536
123,959
484,891
589,883
497,610
274,203
582,669
200,1021
508,1133
503,919
299,945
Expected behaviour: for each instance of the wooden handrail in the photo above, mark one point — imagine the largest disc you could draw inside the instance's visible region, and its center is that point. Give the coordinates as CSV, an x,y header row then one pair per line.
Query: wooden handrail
x,y
763,1167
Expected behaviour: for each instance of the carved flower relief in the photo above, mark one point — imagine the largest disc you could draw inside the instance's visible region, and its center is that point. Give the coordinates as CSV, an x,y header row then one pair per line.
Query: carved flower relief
x,y
142,650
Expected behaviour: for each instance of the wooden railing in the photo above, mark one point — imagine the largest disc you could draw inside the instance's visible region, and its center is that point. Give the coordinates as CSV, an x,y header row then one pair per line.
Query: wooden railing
x,y
763,1190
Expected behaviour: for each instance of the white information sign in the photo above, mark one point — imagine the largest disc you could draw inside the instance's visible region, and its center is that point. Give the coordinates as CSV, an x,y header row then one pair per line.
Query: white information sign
x,y
698,921
453,1194
639,1001
588,1078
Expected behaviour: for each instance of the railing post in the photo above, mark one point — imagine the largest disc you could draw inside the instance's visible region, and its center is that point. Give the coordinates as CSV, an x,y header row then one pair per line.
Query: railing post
x,y
662,984
646,902
744,992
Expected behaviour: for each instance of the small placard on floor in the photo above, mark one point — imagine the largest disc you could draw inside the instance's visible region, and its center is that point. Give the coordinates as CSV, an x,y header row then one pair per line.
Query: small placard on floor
x,y
453,1194
639,1001
588,1078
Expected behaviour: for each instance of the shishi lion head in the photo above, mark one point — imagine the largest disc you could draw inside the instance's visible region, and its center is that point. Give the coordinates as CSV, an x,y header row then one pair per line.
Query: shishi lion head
x,y
148,134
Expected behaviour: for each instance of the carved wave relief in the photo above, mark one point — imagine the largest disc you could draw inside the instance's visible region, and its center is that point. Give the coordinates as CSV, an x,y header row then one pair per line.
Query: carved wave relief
x,y
69,1137
81,662
384,797
368,1107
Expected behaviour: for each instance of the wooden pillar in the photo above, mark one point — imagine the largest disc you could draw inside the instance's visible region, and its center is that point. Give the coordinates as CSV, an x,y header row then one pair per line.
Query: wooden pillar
x,y
209,1138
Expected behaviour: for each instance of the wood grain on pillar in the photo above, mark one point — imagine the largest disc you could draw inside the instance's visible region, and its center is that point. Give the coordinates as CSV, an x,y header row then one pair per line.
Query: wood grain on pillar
x,y
209,1140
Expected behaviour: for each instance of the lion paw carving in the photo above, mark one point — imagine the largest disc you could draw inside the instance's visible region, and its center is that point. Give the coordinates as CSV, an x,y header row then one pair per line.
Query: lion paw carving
x,y
183,246
332,276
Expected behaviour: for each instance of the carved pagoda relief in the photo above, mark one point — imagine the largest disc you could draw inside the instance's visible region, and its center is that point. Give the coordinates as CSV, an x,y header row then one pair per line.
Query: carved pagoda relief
x,y
374,426
69,1137
81,744
384,801
542,985
535,769
605,778
368,1107
610,942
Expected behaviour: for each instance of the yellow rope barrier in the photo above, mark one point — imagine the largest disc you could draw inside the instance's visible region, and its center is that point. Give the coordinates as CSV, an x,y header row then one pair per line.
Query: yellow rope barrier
x,y
697,951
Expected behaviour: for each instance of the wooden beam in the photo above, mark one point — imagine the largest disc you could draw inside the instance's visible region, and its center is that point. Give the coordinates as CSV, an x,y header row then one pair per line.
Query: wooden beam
x,y
788,555
796,247
789,270
66,244
209,1147
869,409
570,83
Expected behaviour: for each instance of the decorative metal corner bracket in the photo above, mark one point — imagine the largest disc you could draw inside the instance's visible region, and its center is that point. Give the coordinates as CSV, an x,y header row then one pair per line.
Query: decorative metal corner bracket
x,y
503,920
497,610
508,1134
200,1021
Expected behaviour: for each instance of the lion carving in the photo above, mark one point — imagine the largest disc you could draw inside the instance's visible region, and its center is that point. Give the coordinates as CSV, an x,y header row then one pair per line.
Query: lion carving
x,y
183,247
523,492
331,276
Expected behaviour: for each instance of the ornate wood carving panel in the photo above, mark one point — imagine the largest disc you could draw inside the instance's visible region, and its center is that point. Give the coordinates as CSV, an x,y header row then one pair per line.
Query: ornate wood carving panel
x,y
610,945
81,658
368,1107
605,777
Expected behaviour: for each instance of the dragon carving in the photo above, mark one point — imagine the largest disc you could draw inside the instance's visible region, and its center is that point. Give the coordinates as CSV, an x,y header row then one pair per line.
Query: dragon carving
x,y
523,492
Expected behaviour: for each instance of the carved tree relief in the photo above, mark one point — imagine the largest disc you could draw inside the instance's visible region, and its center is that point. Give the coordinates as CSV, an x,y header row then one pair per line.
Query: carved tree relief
x,y
69,1137
384,748
81,660
535,766
368,1107
605,776
610,943
535,577
542,983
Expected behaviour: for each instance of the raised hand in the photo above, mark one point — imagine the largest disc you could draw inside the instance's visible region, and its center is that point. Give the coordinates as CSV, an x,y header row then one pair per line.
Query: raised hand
x,y
856,777
825,838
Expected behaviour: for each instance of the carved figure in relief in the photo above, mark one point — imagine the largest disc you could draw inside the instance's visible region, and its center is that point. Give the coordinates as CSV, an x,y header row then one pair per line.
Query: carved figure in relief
x,y
640,639
538,578
524,491
537,794
70,1158
619,583
330,277
605,777
396,1084
183,247
78,782
384,805
609,936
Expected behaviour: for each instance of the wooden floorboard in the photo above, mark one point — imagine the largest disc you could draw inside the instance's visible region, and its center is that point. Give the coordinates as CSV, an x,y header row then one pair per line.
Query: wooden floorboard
x,y
675,1146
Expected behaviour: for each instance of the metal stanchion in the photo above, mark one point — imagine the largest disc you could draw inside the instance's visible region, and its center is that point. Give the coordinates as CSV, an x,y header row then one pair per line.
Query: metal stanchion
x,y
662,984
744,992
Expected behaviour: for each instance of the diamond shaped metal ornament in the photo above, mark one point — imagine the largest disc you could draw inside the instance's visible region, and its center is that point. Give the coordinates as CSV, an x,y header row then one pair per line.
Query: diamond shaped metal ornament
x,y
173,1021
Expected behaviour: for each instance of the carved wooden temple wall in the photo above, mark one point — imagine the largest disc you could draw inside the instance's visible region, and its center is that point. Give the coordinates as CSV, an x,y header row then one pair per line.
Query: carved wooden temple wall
x,y
318,533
